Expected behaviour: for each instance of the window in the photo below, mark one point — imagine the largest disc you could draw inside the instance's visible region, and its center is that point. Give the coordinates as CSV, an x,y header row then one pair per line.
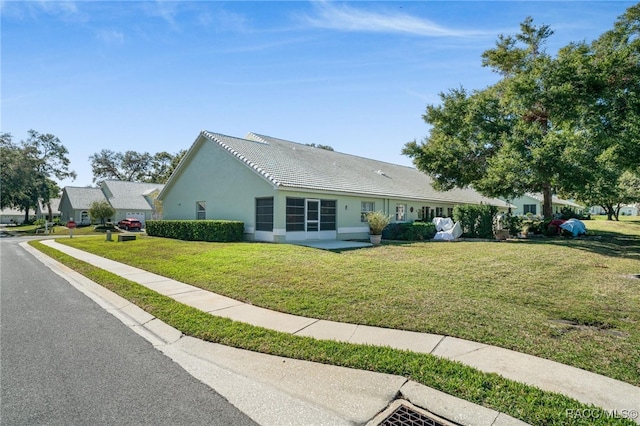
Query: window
x,y
424,213
400,213
449,211
84,217
264,214
328,215
439,211
295,214
529,208
366,207
201,210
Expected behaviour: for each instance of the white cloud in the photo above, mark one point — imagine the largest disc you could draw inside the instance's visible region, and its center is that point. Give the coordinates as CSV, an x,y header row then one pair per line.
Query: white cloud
x,y
56,7
111,36
342,17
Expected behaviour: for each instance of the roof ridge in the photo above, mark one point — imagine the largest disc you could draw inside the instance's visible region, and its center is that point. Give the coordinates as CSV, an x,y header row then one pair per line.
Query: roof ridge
x,y
212,137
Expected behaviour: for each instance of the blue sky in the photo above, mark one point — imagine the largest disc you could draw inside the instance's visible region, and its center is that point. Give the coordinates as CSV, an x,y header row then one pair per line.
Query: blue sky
x,y
149,76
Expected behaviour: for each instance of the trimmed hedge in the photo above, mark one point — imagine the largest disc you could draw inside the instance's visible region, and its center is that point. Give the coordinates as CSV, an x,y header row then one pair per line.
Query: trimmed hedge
x,y
197,230
476,221
407,231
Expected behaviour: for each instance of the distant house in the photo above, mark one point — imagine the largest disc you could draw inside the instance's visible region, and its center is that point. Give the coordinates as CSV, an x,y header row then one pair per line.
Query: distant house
x,y
531,204
129,199
629,210
13,216
42,211
75,203
286,191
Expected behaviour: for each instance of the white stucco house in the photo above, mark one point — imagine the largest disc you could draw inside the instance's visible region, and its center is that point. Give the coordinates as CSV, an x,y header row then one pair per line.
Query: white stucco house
x,y
129,199
13,216
531,203
287,191
42,211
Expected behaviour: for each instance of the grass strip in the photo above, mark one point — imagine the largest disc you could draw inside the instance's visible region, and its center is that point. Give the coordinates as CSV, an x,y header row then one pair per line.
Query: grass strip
x,y
518,400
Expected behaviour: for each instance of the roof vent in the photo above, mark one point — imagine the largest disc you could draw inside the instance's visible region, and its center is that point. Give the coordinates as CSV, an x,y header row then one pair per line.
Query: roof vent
x,y
381,173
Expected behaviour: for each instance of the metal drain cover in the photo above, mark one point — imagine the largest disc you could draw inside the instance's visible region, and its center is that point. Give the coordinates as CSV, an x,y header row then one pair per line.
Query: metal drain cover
x,y
403,413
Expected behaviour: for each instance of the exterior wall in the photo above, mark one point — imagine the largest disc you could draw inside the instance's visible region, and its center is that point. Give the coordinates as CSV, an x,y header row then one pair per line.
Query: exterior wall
x,y
228,187
520,203
66,212
122,214
9,216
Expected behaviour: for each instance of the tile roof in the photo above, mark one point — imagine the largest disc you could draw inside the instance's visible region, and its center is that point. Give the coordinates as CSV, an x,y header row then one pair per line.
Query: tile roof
x,y
124,195
293,165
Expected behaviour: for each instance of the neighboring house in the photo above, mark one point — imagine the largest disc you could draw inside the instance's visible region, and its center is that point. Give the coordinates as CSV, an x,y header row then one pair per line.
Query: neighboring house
x,y
629,210
129,199
11,216
75,203
626,210
532,204
42,212
286,191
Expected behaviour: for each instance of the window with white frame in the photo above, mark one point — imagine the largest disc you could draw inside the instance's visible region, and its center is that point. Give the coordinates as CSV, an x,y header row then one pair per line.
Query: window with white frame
x,y
449,211
365,208
439,211
201,210
529,208
401,213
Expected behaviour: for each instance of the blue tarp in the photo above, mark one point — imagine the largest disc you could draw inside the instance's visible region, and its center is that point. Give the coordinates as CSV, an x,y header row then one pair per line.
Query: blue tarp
x,y
575,226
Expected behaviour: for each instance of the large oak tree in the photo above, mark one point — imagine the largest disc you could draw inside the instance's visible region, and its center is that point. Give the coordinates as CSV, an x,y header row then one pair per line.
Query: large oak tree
x,y
29,170
546,125
133,166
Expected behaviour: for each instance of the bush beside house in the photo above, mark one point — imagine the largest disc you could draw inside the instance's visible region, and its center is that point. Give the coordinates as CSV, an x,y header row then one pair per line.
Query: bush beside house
x,y
406,231
197,230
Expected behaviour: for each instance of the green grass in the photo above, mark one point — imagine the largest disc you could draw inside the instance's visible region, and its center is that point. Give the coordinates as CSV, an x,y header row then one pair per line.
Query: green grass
x,y
58,231
569,300
518,400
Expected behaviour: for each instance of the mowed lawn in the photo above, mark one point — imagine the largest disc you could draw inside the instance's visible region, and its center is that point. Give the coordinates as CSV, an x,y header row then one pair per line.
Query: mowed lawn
x,y
571,300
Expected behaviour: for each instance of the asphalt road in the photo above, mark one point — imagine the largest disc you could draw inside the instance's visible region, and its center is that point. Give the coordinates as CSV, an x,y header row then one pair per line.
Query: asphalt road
x,y
64,360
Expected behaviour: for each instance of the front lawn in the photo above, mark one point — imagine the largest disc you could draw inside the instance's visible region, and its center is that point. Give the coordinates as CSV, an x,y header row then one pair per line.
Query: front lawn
x,y
571,300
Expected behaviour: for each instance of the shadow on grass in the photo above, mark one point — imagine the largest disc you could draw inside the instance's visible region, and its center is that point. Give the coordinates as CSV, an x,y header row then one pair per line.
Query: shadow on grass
x,y
606,243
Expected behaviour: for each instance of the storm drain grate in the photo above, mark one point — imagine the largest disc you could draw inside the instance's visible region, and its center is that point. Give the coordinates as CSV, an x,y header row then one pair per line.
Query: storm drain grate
x,y
404,415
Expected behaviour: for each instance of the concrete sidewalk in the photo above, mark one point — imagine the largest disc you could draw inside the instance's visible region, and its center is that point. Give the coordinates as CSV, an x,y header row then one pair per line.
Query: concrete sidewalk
x,y
579,384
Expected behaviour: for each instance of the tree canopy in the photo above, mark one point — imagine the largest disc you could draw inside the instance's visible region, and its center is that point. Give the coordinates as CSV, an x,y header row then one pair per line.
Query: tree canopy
x,y
28,170
551,124
134,166
101,210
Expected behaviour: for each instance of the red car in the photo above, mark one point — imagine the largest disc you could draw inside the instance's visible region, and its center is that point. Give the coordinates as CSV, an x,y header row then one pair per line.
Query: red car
x,y
130,224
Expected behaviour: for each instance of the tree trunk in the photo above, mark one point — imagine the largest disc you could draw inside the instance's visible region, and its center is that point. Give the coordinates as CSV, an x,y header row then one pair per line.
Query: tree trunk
x,y
50,216
547,207
26,214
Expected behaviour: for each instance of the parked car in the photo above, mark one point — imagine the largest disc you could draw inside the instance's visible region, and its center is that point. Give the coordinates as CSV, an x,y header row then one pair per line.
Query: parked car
x,y
130,224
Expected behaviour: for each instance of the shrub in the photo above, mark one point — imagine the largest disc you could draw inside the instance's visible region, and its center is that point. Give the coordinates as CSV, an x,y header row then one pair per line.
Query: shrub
x,y
513,224
197,230
407,231
566,214
476,221
377,222
106,227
